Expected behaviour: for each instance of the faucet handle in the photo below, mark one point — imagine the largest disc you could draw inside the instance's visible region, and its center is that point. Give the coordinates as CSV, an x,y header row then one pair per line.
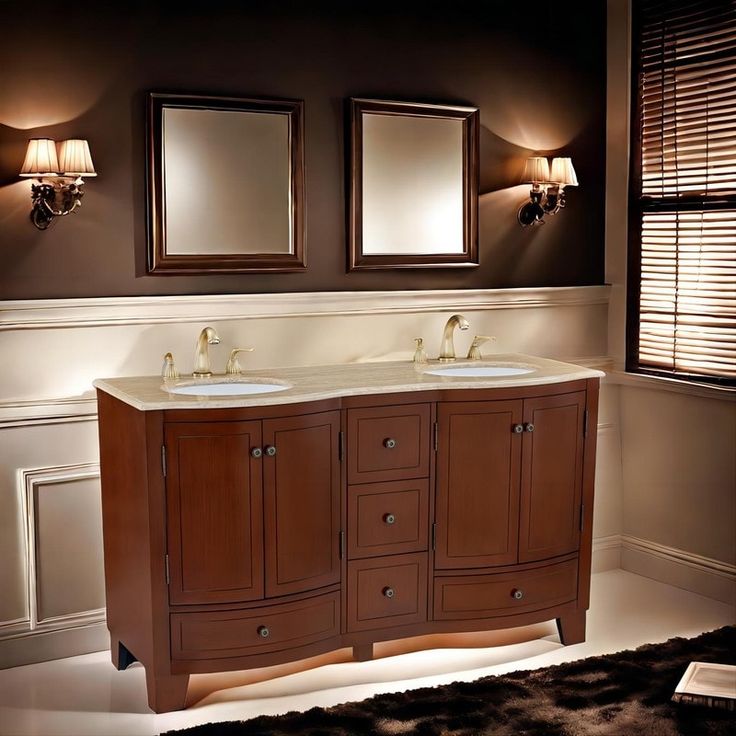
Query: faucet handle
x,y
474,350
420,355
233,364
168,369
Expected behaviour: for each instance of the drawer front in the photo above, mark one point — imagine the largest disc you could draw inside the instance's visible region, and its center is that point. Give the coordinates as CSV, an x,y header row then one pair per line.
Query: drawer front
x,y
220,634
388,518
387,592
504,594
388,443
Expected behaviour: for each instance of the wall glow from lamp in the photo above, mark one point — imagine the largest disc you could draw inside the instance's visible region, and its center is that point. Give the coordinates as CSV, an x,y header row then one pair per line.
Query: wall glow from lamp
x,y
60,184
547,195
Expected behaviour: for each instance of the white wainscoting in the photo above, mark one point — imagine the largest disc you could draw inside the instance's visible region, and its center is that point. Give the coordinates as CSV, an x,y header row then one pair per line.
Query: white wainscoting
x,y
48,428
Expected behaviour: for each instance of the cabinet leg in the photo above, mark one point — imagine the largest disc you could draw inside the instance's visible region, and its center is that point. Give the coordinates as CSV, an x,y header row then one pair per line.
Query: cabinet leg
x,y
363,652
120,655
166,693
572,628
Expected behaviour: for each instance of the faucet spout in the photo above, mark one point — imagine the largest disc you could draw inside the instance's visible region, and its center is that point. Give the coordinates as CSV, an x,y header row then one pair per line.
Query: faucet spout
x,y
207,337
447,350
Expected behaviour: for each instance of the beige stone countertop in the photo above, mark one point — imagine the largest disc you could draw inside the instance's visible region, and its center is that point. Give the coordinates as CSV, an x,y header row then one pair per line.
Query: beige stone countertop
x,y
312,383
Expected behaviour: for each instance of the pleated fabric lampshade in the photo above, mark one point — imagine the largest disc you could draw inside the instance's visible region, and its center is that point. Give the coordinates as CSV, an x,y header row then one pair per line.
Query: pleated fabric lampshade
x,y
41,159
563,172
75,158
536,169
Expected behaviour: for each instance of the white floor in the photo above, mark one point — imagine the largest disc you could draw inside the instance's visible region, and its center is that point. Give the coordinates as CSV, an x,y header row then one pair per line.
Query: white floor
x,y
85,695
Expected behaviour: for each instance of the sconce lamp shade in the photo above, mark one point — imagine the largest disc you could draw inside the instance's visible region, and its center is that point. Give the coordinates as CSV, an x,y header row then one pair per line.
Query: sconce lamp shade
x,y
563,172
75,158
536,169
40,158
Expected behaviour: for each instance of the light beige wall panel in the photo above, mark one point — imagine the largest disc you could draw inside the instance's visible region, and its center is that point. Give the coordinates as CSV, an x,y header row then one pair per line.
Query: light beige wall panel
x,y
679,471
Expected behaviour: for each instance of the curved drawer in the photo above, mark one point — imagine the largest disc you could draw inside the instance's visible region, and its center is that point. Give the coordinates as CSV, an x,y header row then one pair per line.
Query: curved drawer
x,y
220,634
504,594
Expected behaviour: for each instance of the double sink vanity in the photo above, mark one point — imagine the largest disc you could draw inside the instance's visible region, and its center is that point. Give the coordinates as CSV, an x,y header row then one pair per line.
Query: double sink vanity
x,y
258,518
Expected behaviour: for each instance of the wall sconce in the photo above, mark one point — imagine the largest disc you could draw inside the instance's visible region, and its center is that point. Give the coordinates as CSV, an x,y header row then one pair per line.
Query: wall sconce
x,y
60,186
547,195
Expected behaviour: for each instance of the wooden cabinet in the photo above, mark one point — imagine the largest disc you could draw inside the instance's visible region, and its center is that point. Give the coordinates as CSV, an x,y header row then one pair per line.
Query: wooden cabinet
x,y
246,537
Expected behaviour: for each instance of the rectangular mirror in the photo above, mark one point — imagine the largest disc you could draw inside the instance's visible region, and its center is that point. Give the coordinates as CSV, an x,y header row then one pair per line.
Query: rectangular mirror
x,y
225,185
413,186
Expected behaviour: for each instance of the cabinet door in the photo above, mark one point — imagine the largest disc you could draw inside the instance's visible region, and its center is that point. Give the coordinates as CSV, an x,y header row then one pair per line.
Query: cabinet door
x,y
551,476
301,483
214,512
478,466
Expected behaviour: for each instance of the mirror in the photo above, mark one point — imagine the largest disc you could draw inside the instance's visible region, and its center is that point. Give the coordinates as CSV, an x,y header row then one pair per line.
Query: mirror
x,y
225,185
414,185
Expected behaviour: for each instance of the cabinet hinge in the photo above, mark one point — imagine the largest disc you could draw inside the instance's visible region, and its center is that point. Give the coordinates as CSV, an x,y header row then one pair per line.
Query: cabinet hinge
x,y
342,544
163,460
582,516
434,535
341,445
166,565
436,436
585,423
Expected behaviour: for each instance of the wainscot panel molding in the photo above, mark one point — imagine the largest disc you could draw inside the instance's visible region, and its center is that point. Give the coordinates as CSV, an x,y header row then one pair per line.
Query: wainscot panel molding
x,y
99,312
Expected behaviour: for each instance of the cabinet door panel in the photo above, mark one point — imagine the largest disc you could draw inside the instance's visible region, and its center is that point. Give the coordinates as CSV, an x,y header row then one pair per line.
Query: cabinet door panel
x,y
551,476
302,502
215,514
478,467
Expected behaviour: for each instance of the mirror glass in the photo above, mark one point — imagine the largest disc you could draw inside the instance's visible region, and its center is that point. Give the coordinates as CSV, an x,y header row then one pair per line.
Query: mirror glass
x,y
227,185
414,185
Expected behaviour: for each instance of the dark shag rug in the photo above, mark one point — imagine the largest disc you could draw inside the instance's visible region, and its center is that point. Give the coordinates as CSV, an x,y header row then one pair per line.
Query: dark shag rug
x,y
623,694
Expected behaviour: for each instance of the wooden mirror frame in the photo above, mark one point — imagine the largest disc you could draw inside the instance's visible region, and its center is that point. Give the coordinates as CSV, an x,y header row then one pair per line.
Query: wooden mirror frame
x,y
470,119
161,263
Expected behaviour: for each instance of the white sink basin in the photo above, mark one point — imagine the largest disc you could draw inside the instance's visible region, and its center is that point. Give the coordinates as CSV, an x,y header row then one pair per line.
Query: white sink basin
x,y
228,388
496,370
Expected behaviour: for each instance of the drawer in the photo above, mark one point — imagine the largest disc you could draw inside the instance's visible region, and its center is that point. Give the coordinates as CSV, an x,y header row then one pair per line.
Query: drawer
x,y
219,634
388,443
388,518
504,594
389,591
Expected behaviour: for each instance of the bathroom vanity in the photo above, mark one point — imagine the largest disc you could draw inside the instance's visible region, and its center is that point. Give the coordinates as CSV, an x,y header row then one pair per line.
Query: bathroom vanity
x,y
360,503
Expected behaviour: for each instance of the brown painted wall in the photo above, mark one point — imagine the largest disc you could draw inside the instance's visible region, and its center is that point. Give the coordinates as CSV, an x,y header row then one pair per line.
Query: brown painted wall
x,y
537,72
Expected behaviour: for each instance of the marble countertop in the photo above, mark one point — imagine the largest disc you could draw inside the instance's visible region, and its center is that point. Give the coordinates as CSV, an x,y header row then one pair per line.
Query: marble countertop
x,y
312,383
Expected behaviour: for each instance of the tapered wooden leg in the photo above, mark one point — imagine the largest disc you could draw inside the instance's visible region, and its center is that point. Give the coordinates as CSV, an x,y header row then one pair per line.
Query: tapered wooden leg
x,y
120,655
572,628
363,652
166,693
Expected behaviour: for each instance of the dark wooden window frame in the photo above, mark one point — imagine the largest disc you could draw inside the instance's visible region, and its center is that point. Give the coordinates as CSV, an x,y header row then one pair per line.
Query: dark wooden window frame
x,y
637,206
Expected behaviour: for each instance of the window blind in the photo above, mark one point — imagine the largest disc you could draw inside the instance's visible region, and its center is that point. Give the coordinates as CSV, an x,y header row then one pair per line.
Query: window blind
x,y
684,189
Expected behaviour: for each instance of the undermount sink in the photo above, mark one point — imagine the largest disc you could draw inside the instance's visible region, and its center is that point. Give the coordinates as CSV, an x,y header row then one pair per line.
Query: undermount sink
x,y
496,370
228,388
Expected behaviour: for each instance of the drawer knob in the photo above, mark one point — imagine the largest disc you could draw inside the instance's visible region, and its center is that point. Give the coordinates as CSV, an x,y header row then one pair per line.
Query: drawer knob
x,y
517,594
389,519
518,428
389,443
389,592
264,632
256,452
270,450
529,427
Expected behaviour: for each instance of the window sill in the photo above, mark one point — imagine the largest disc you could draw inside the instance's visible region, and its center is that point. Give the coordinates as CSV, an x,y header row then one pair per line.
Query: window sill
x,y
674,385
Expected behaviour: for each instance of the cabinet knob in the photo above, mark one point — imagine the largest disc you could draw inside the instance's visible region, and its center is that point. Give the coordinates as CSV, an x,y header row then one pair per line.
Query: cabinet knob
x,y
518,428
389,518
270,450
517,594
529,427
389,443
256,452
389,592
264,632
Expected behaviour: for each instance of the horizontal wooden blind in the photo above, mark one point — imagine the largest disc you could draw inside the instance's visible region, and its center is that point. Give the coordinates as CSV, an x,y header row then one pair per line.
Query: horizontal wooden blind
x,y
686,188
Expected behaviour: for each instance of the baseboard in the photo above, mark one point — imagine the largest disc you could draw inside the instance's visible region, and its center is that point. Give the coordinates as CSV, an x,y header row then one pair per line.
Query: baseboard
x,y
41,647
702,575
606,553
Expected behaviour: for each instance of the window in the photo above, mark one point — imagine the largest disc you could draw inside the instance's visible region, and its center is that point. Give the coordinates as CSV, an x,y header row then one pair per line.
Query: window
x,y
682,265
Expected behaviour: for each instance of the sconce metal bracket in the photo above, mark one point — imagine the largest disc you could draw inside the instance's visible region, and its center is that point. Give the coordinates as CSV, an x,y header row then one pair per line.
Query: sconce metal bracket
x,y
53,199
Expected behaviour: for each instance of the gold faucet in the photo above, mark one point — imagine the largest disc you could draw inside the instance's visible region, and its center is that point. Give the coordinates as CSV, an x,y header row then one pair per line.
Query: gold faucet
x,y
233,367
447,351
474,349
207,337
